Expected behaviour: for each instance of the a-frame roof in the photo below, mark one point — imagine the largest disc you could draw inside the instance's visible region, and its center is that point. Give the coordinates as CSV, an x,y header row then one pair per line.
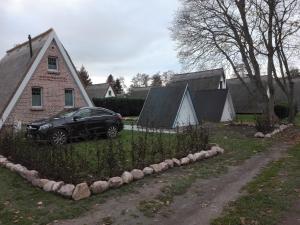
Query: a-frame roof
x,y
15,65
209,104
201,80
97,90
17,68
161,107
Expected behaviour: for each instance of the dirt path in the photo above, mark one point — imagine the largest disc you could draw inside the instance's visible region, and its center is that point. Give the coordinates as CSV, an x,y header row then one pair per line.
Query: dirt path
x,y
202,202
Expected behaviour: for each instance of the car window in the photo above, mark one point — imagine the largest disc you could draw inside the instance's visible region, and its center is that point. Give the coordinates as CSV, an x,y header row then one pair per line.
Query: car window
x,y
83,113
99,112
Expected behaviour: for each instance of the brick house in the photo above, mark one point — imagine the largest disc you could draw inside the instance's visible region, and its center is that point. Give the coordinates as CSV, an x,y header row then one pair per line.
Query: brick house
x,y
37,80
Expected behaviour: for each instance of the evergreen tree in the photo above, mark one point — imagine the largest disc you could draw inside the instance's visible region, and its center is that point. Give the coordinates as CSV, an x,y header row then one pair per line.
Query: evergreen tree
x,y
110,80
84,76
118,87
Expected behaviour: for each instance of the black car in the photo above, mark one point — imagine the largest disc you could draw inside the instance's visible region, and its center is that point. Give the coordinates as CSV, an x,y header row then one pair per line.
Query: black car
x,y
84,122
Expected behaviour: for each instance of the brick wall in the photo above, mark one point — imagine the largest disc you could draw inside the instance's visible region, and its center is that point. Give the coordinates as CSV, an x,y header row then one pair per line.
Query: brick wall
x,y
53,86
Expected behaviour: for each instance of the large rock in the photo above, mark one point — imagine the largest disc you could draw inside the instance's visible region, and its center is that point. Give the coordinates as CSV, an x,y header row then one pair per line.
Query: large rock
x,y
164,166
115,182
191,157
36,182
48,186
213,152
9,166
156,167
3,161
127,177
18,168
199,155
283,127
30,175
43,182
259,135
81,191
268,135
185,161
57,185
169,162
99,187
176,162
66,190
148,170
137,174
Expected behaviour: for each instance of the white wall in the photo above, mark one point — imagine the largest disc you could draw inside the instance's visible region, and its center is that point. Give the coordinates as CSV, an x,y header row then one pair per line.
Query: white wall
x,y
223,83
112,93
228,111
186,114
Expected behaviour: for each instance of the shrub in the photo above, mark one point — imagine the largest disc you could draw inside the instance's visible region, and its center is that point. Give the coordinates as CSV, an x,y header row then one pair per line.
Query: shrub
x,y
263,124
124,106
90,161
282,110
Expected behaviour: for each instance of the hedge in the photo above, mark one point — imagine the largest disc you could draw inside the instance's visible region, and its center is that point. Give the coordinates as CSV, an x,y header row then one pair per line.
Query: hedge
x,y
124,106
282,110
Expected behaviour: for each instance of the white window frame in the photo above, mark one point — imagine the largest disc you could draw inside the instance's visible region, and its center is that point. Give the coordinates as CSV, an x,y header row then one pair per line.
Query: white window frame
x,y
42,102
57,66
73,95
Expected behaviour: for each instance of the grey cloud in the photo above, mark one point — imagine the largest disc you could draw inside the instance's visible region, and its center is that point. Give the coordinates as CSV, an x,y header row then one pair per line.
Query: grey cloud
x,y
120,36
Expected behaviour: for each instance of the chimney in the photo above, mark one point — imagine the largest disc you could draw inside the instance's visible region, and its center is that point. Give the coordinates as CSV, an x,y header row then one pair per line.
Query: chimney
x,y
30,45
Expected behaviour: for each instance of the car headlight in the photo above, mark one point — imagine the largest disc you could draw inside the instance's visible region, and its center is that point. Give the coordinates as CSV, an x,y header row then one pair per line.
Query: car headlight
x,y
45,126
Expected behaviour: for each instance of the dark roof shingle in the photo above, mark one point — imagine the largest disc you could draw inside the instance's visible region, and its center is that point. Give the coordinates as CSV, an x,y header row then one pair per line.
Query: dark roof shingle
x,y
15,65
161,107
97,90
209,104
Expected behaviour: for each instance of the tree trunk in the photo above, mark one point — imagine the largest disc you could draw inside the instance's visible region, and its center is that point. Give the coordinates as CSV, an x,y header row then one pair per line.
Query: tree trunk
x,y
291,103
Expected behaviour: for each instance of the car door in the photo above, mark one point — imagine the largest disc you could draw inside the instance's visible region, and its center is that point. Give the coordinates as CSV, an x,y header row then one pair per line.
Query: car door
x,y
78,125
98,121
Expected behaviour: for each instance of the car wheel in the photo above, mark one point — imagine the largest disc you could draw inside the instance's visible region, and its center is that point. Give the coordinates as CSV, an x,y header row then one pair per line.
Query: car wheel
x,y
59,137
112,132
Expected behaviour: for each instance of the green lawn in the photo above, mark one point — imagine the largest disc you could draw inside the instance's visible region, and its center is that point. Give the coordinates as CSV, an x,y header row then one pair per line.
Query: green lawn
x,y
270,195
18,199
245,118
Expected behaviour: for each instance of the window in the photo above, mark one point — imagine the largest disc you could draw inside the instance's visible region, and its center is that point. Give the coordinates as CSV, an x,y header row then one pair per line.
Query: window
x,y
84,113
53,64
69,98
221,84
97,112
36,97
109,93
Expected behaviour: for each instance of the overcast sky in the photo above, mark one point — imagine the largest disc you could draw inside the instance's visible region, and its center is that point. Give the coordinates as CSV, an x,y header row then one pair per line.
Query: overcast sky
x,y
107,36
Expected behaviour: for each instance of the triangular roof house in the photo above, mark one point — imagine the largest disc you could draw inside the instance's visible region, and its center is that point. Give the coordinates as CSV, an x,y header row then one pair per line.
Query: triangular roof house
x,y
213,105
201,80
37,78
103,90
167,108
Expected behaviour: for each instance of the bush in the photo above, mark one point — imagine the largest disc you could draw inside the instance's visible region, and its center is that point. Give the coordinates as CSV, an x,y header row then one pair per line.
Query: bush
x,y
263,124
96,160
124,106
282,110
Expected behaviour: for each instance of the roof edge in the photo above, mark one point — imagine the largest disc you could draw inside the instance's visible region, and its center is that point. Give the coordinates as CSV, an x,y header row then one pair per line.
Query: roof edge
x,y
33,39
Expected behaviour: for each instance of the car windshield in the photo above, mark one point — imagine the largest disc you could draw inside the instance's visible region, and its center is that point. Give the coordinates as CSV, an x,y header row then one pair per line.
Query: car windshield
x,y
66,113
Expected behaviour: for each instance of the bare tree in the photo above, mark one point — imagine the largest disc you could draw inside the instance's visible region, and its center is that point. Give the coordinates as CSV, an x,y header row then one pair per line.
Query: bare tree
x,y
156,80
230,32
140,80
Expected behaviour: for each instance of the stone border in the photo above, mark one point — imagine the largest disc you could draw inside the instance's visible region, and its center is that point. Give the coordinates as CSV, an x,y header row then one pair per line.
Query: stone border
x,y
281,128
82,190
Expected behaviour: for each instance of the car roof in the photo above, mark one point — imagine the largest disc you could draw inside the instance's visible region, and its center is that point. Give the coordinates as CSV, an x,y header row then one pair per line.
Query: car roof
x,y
97,108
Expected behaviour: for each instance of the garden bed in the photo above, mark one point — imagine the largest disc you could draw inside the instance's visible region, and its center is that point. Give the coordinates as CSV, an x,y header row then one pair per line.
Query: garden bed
x,y
84,164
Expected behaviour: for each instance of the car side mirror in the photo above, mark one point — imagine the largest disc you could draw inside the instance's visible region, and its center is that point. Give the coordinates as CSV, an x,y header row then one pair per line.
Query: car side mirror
x,y
75,118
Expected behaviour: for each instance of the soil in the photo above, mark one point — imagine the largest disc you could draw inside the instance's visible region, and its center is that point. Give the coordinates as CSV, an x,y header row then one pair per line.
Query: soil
x,y
203,202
